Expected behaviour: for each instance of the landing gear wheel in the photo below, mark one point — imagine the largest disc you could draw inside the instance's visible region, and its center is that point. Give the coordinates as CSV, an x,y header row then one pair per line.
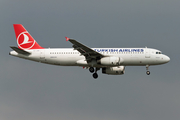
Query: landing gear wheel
x,y
148,72
95,75
91,69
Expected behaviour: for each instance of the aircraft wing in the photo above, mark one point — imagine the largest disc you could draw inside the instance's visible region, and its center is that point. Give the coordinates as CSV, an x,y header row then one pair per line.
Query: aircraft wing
x,y
84,50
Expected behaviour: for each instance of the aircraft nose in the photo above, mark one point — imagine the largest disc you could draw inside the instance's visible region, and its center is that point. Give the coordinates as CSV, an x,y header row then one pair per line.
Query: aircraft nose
x,y
167,59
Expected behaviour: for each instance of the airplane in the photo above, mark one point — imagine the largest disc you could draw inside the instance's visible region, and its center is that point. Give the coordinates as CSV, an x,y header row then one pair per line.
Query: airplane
x,y
112,61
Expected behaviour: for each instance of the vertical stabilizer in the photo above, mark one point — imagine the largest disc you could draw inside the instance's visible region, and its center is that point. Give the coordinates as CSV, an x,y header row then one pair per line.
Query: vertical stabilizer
x,y
24,39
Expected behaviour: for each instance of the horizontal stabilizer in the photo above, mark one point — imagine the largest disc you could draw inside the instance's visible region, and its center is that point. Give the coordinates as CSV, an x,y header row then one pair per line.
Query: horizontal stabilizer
x,y
20,51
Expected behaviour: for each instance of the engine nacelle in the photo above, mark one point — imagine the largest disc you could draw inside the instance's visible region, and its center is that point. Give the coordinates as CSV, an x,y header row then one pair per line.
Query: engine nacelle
x,y
110,61
114,70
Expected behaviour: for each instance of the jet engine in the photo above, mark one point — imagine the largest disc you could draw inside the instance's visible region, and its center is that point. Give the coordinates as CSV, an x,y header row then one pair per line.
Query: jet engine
x,y
110,61
114,70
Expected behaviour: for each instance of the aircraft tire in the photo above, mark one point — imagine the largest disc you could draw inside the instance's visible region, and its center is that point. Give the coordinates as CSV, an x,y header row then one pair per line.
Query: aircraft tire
x,y
148,72
91,69
95,75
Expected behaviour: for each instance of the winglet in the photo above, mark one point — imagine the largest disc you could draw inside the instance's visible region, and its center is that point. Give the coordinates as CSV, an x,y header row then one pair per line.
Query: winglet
x,y
67,39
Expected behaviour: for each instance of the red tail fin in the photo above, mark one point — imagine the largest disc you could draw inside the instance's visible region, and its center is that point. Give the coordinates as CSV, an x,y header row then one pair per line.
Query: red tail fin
x,y
24,39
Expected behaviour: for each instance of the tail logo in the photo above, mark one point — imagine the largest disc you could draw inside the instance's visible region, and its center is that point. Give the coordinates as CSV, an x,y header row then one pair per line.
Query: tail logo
x,y
25,41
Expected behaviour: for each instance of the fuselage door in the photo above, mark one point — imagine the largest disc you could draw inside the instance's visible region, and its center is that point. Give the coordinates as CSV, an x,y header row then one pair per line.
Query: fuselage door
x,y
147,53
42,54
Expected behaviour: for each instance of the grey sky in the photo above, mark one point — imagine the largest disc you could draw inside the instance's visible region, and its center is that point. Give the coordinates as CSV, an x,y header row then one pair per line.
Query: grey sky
x,y
30,90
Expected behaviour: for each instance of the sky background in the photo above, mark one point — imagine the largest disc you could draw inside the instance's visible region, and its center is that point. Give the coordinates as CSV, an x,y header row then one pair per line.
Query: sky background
x,y
36,91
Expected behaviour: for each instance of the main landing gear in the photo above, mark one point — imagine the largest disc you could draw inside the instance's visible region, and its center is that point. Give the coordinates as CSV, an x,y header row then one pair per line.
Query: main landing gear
x,y
147,72
95,75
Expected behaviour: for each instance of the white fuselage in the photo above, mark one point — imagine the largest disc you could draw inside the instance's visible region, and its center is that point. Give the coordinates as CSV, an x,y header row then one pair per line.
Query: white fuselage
x,y
71,57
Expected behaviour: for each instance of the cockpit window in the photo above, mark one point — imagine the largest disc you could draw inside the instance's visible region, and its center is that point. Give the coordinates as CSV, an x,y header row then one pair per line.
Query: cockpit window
x,y
158,53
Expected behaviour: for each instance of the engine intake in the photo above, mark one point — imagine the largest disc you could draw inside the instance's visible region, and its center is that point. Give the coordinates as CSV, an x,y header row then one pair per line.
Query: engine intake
x,y
114,70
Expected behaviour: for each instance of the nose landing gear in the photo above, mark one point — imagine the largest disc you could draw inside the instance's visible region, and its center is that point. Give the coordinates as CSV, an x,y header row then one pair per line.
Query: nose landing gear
x,y
147,72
